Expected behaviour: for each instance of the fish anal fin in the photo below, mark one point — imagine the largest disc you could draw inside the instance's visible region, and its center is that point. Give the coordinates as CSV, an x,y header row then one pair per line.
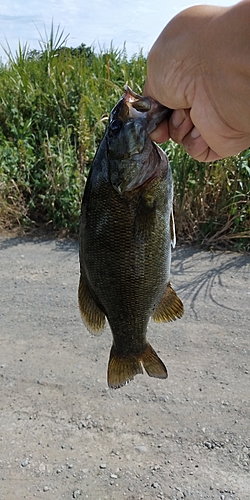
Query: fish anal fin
x,y
92,315
169,308
123,368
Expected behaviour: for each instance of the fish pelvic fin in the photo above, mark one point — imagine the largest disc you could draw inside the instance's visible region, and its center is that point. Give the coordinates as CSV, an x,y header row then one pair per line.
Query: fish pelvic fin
x,y
169,308
122,369
92,316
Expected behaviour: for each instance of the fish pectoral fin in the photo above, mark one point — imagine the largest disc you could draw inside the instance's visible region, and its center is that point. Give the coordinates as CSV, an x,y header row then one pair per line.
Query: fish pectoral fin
x,y
170,307
123,368
92,315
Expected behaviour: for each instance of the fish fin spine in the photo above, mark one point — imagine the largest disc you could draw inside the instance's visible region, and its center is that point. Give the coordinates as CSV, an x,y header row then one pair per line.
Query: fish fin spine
x,y
170,306
93,317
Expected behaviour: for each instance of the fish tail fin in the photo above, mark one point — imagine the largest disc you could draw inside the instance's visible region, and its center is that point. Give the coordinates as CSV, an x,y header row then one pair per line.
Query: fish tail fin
x,y
122,369
153,365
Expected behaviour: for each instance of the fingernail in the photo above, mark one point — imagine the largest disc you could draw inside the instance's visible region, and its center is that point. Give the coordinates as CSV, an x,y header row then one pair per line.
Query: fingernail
x,y
195,133
179,116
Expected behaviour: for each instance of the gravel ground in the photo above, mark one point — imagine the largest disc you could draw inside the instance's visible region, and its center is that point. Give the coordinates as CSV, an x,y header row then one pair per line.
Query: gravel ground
x,y
64,434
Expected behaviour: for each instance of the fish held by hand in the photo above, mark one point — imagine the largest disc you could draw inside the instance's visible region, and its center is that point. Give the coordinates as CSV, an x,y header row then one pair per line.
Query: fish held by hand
x,y
126,233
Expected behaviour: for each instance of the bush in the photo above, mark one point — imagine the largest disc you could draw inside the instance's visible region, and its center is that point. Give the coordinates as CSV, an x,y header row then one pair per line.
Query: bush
x,y
54,106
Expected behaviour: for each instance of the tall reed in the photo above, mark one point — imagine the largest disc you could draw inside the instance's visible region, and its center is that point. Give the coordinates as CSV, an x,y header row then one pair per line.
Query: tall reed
x,y
54,107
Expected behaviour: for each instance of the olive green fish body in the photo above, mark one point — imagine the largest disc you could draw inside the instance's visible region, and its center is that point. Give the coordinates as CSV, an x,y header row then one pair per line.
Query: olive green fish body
x,y
125,245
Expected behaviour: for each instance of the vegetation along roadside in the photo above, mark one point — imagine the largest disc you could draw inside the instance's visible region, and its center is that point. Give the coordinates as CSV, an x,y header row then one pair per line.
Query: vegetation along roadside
x,y
54,106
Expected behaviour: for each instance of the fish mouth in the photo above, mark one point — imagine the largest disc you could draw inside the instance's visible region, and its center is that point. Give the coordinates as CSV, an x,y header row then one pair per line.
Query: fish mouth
x,y
137,105
132,106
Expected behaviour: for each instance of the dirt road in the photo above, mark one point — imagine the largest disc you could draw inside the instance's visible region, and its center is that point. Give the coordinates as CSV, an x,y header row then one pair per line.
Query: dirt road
x,y
64,435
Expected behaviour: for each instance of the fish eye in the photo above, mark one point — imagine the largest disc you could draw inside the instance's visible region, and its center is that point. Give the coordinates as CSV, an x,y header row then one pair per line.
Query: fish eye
x,y
115,126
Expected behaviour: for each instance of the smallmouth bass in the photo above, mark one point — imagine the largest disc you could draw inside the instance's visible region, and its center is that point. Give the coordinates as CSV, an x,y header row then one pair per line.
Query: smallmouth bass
x,y
125,237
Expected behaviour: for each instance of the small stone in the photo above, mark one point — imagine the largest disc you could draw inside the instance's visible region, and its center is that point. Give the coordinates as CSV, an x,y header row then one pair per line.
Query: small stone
x,y
208,445
103,466
25,462
141,449
155,485
76,493
46,488
113,476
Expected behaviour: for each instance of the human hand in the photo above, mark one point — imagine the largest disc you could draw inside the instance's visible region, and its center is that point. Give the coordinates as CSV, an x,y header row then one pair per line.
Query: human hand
x,y
200,67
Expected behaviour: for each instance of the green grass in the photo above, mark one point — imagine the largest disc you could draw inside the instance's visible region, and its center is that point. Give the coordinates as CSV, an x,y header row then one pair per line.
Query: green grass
x,y
54,106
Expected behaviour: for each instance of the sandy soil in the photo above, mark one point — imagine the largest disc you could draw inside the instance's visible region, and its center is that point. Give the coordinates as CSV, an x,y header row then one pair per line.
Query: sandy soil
x,y
64,434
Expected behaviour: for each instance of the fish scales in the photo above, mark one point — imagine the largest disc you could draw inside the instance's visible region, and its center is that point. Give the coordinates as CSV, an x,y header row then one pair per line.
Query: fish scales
x,y
125,241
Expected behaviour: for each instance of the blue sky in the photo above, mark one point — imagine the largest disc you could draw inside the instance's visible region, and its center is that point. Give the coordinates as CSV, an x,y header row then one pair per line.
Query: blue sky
x,y
93,22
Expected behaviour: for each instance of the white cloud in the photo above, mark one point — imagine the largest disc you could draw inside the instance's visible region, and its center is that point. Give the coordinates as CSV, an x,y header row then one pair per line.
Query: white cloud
x,y
137,23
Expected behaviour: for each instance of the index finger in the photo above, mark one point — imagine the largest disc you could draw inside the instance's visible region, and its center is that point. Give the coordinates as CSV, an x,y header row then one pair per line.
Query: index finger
x,y
161,133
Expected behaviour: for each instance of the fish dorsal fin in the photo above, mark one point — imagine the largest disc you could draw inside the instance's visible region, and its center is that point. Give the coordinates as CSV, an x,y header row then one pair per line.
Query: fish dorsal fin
x,y
172,230
92,315
169,308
